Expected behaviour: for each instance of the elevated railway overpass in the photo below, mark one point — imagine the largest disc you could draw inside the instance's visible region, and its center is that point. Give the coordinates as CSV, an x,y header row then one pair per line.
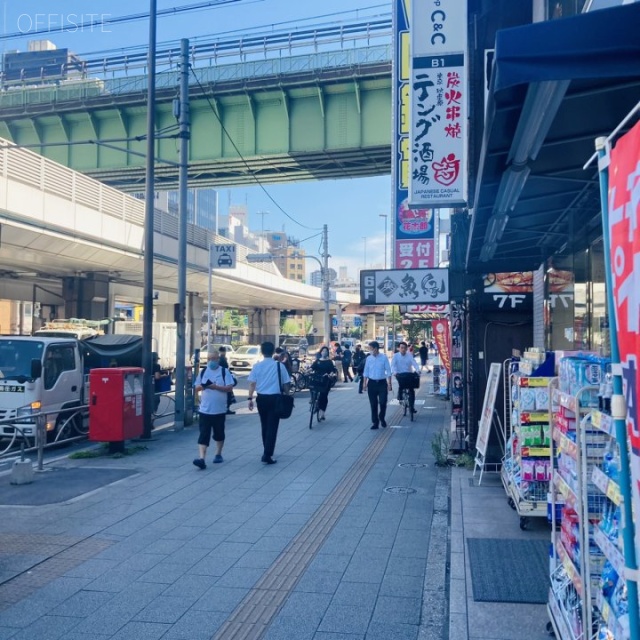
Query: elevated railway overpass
x,y
280,106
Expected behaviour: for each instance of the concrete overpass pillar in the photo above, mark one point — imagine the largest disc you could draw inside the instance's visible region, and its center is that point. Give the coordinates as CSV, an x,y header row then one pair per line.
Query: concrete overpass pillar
x,y
86,297
264,324
371,328
271,325
255,326
195,308
318,325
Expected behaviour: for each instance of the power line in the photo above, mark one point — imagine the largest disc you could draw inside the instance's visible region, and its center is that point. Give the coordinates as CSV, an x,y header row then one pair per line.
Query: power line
x,y
258,182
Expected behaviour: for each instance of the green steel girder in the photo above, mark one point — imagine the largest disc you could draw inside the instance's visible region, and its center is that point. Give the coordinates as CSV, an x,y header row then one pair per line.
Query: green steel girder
x,y
326,125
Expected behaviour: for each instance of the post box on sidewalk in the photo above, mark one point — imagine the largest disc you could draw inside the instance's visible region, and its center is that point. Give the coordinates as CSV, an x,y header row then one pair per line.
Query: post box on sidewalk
x,y
116,405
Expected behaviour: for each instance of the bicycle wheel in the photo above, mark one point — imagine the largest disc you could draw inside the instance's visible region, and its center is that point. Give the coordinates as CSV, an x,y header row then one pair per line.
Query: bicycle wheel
x,y
313,408
411,409
405,401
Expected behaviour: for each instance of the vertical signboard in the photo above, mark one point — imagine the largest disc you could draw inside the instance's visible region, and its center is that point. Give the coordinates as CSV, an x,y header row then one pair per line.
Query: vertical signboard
x,y
438,113
624,249
414,230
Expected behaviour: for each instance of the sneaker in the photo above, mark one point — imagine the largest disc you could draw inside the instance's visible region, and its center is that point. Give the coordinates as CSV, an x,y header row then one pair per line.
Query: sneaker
x,y
200,463
231,413
383,423
268,460
218,458
373,426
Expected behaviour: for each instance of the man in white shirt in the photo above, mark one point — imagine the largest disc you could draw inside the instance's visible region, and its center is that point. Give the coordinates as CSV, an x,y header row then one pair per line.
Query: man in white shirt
x,y
264,379
402,365
213,382
377,382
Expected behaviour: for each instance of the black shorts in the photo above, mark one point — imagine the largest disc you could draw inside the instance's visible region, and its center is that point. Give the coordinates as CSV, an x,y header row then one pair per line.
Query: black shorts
x,y
210,423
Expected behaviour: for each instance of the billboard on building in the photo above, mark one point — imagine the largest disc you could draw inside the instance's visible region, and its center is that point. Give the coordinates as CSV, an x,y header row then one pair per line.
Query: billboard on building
x,y
404,286
438,111
414,230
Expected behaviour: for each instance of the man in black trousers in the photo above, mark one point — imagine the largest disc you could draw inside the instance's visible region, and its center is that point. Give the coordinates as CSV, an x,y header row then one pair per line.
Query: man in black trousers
x,y
377,382
264,379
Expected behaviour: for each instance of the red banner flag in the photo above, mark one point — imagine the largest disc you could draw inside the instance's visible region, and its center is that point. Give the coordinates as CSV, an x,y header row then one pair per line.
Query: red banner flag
x,y
441,335
624,249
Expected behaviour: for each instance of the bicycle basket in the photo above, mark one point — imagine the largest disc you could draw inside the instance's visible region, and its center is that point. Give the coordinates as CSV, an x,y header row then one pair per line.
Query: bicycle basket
x,y
318,382
409,380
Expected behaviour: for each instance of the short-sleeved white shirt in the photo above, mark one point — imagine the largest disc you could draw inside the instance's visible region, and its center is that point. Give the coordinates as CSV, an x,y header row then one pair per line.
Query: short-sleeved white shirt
x,y
265,375
213,401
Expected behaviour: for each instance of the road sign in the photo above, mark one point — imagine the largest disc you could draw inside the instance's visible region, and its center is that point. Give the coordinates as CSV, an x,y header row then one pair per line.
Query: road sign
x,y
223,256
259,257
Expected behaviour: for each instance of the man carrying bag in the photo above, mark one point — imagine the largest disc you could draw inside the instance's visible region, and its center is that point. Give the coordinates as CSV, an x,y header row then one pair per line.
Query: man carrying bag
x,y
271,382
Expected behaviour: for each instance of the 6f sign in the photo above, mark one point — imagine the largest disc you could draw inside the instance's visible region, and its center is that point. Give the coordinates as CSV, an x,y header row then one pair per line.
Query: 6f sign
x,y
404,286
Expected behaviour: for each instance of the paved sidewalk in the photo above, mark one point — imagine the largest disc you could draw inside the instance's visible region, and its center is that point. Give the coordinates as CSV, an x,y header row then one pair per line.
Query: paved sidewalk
x,y
482,512
345,538
312,547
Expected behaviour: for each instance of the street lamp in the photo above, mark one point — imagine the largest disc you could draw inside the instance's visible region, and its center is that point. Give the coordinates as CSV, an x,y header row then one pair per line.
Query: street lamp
x,y
324,283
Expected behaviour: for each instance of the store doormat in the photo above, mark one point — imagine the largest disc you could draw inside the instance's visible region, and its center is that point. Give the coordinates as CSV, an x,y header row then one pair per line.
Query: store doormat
x,y
59,485
507,570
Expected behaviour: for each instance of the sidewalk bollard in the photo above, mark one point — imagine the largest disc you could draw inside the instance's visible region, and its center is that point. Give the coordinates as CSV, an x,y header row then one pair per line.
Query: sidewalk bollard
x,y
22,470
40,439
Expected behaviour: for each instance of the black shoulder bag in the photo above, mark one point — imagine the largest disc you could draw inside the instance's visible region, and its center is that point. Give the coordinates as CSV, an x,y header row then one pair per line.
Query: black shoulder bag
x,y
284,402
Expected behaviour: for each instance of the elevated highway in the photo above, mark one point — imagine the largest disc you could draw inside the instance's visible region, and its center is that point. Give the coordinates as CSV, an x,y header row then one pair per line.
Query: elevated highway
x,y
57,226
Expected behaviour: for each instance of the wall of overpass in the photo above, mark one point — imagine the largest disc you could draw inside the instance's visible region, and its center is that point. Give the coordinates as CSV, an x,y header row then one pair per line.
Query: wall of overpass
x,y
324,115
58,225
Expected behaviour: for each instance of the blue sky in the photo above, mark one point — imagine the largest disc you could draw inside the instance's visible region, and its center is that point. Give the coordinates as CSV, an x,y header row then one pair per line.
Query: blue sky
x,y
351,208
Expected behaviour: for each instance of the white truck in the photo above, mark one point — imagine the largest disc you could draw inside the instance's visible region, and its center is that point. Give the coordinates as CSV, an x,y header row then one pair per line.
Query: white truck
x,y
164,339
45,373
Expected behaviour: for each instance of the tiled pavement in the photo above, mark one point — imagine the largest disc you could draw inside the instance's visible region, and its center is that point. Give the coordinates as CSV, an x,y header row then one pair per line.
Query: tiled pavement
x,y
310,548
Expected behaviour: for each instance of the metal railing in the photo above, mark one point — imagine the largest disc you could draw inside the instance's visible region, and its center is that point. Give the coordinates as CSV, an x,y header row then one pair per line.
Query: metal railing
x,y
21,443
81,90
348,34
62,434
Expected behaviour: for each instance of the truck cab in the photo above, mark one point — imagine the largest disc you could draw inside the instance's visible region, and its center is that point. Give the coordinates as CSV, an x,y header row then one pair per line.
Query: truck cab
x,y
38,373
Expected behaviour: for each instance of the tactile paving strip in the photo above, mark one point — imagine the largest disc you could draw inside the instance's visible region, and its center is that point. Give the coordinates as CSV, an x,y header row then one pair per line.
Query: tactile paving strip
x,y
251,618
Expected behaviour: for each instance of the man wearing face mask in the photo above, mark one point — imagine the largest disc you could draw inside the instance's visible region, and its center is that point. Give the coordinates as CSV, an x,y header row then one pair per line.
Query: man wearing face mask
x,y
213,383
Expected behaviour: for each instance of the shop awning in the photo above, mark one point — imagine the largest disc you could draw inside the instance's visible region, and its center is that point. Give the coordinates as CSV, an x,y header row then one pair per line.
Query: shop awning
x,y
555,87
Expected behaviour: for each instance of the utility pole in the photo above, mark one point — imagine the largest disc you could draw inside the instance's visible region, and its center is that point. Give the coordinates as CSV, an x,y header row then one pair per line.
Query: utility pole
x,y
385,329
183,177
325,283
147,315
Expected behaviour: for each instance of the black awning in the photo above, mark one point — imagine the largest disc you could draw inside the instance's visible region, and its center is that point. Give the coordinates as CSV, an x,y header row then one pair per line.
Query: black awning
x,y
556,86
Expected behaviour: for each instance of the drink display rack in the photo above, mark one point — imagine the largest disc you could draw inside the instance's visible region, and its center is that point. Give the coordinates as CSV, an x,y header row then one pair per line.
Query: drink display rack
x,y
526,471
577,562
610,597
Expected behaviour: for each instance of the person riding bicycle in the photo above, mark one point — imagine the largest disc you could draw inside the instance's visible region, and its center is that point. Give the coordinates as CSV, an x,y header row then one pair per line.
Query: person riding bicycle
x,y
404,367
326,373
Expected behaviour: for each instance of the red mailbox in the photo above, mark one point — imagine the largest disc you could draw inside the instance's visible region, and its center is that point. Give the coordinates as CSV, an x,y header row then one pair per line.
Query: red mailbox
x,y
115,404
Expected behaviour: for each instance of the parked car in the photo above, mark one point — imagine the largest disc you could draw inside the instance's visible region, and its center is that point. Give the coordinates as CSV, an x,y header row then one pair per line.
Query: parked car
x,y
245,357
215,346
295,346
